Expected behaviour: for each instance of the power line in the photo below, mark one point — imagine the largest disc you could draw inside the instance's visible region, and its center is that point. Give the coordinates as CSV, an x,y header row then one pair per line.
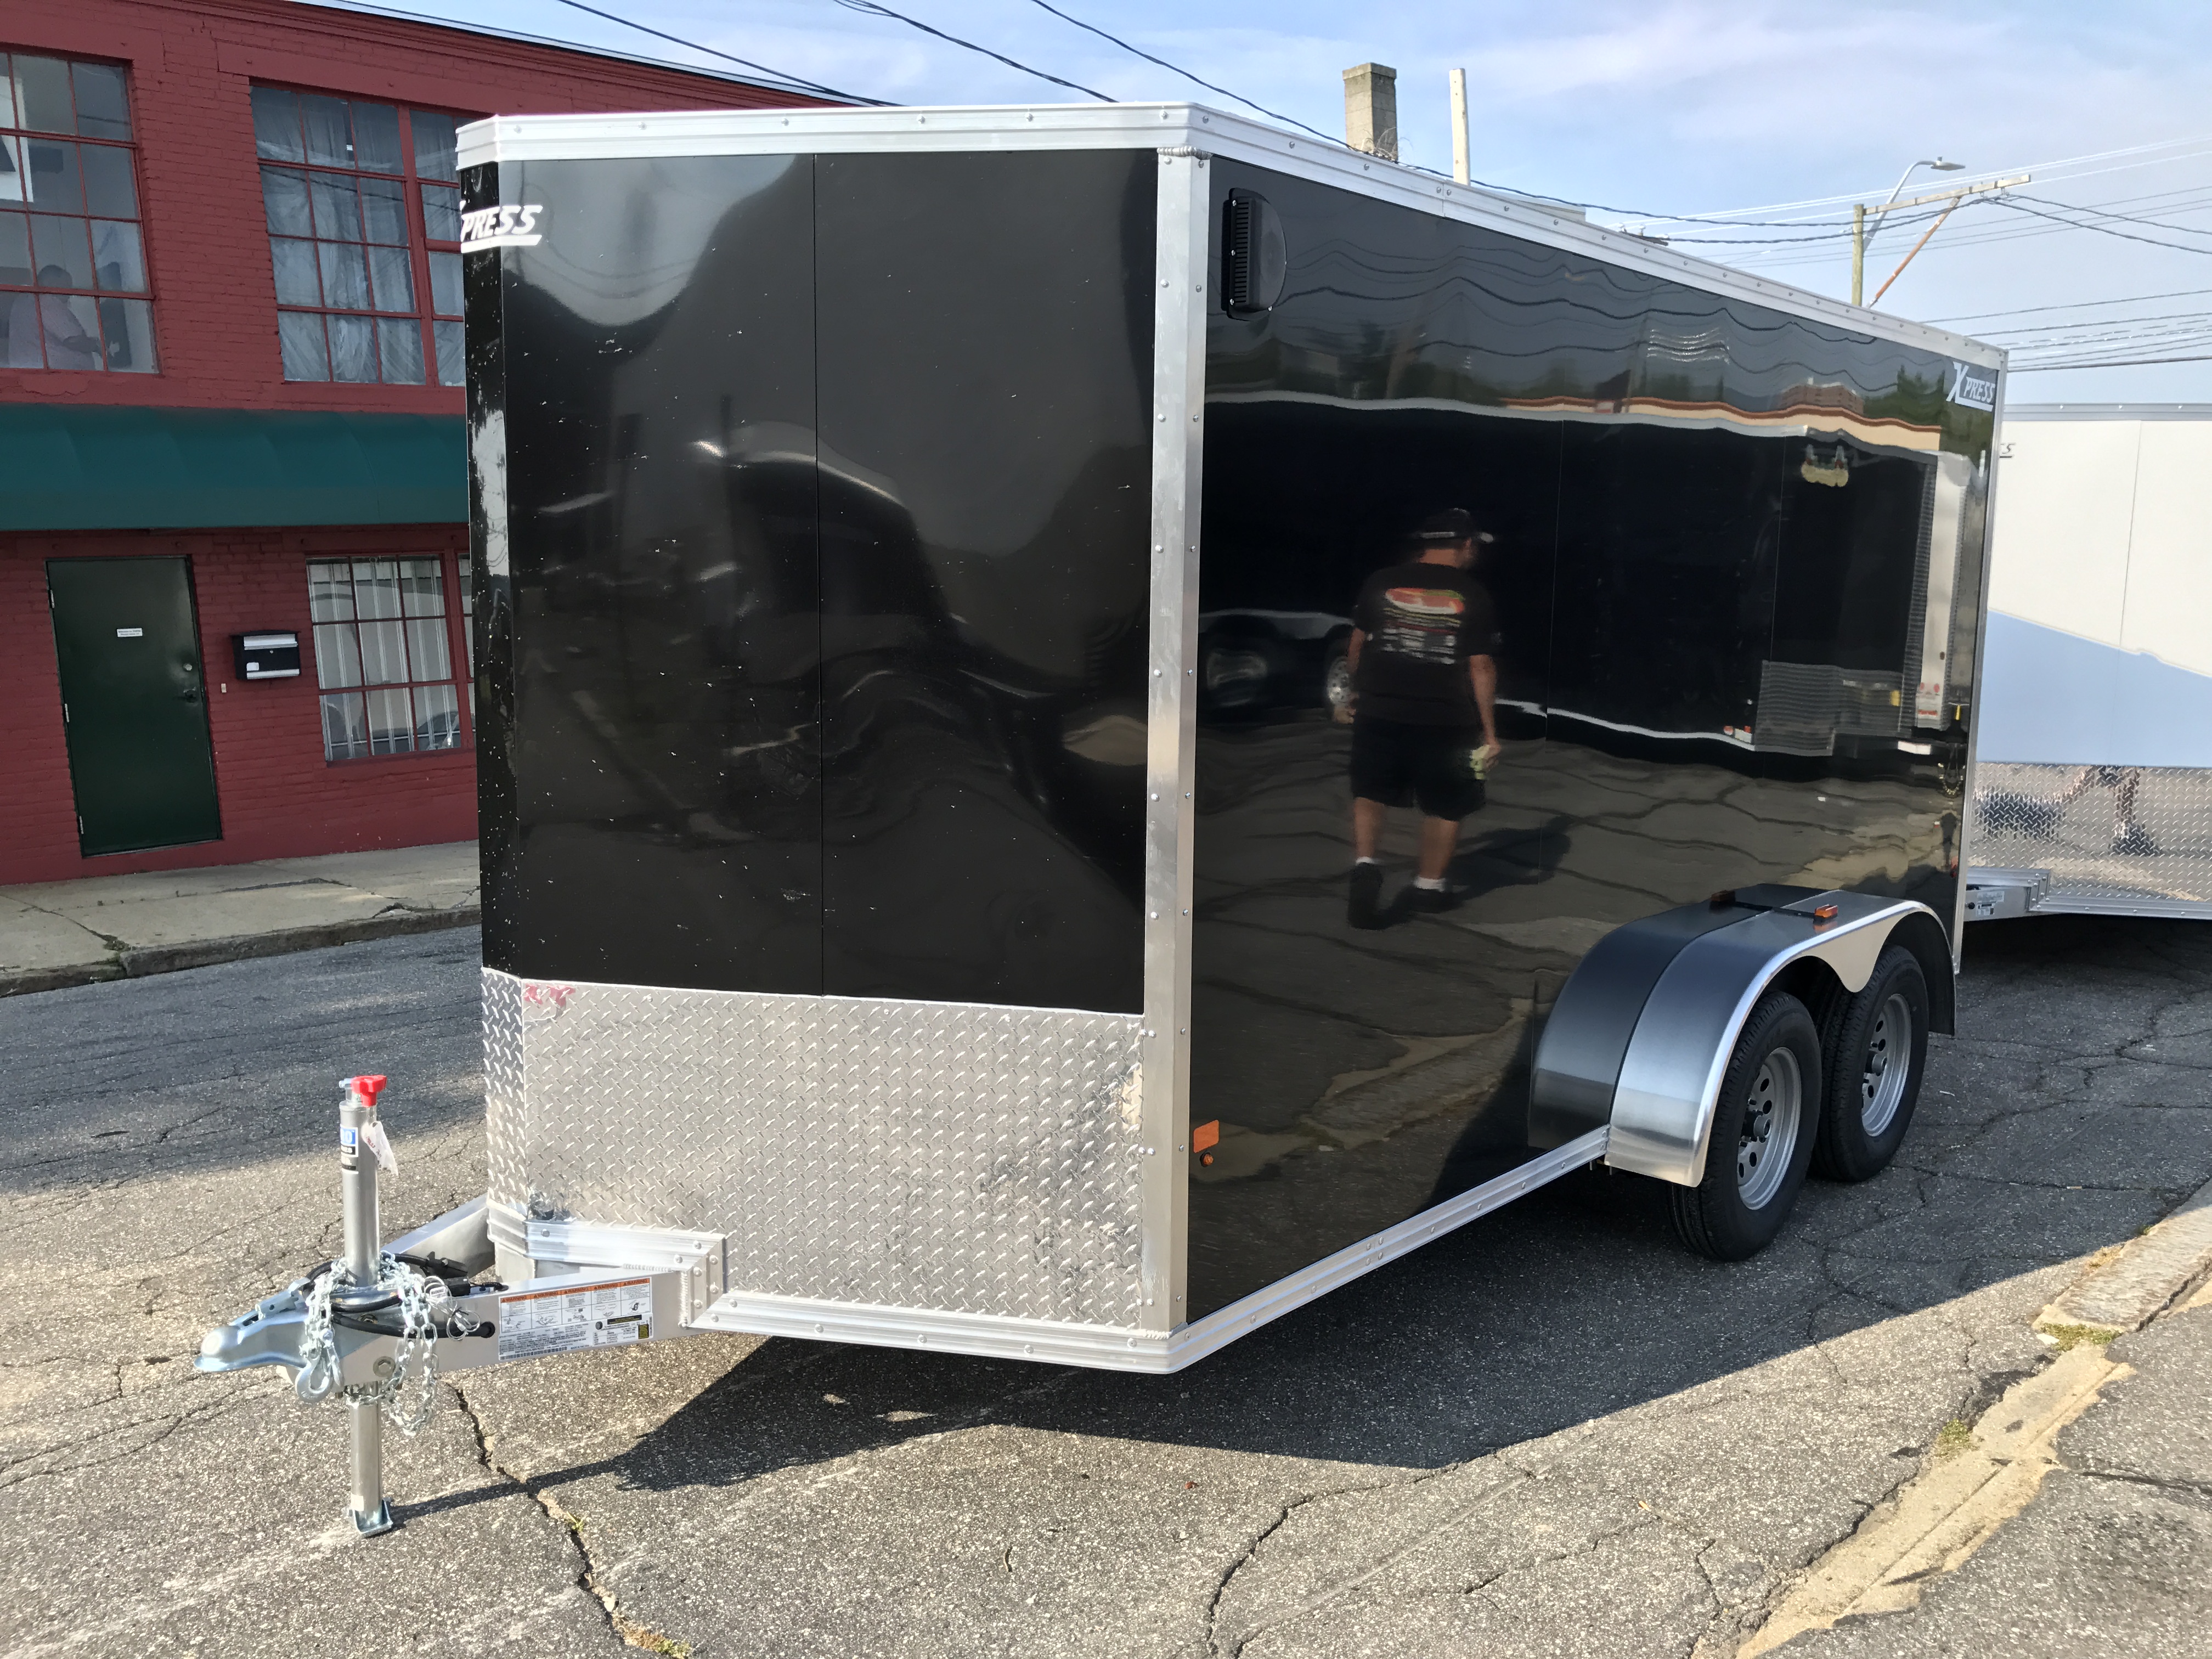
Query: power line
x,y
2074,305
1845,201
870,9
2109,363
2022,207
1272,115
2112,322
2128,218
792,80
2015,232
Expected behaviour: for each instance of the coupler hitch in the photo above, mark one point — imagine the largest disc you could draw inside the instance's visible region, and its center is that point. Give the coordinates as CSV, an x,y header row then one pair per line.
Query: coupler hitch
x,y
374,1327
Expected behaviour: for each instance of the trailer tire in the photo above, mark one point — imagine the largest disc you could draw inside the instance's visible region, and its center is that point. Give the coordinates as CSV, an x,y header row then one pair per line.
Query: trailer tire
x,y
1870,1096
1764,1126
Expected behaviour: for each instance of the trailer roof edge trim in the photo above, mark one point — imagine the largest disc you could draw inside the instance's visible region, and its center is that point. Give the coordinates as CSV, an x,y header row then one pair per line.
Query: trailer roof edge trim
x,y
1168,126
2108,411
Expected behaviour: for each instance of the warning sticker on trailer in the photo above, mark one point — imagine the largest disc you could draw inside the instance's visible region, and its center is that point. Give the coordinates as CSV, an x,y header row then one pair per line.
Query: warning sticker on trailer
x,y
602,1316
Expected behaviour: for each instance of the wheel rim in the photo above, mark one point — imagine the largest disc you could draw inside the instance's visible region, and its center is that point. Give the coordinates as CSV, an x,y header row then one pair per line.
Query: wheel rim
x,y
1338,686
1769,1134
1888,1064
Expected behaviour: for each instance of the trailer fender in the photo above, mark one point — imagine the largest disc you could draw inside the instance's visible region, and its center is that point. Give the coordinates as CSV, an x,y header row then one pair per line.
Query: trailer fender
x,y
1641,1034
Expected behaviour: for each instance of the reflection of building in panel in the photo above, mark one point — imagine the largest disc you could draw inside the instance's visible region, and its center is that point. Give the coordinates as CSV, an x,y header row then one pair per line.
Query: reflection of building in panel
x,y
231,364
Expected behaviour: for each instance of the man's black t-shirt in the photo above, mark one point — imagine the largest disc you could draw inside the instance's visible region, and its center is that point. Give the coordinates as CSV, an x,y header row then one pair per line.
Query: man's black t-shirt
x,y
1422,621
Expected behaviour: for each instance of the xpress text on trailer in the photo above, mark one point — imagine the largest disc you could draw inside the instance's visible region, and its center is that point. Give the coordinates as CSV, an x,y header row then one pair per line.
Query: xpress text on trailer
x,y
2094,780
920,554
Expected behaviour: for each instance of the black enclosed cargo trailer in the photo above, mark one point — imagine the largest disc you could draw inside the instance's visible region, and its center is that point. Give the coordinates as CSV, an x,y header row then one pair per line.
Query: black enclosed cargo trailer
x,y
919,554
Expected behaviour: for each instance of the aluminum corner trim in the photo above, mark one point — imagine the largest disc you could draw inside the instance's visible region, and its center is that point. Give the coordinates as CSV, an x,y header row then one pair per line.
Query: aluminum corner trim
x,y
1115,1348
1670,1077
1178,446
1224,1326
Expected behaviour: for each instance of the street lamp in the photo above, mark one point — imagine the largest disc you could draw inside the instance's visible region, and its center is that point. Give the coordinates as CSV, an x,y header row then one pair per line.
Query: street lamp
x,y
1861,235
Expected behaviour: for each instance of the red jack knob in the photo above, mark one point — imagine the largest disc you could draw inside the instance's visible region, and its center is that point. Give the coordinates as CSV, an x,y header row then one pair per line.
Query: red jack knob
x,y
367,1087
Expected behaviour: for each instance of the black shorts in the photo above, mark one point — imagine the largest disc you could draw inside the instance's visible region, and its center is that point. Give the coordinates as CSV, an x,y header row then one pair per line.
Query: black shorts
x,y
1402,764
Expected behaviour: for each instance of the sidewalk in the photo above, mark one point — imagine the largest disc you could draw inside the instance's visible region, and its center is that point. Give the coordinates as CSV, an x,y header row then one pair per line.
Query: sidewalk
x,y
2075,1515
72,933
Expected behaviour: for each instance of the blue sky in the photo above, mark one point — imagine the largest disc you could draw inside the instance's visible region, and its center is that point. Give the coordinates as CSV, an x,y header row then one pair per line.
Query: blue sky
x,y
1660,107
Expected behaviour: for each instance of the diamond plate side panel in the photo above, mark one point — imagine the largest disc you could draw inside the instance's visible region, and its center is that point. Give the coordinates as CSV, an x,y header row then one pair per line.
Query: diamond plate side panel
x,y
942,1155
2116,834
504,1130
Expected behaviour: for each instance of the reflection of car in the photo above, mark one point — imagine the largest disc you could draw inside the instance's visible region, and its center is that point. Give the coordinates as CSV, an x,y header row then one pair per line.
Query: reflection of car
x,y
1251,660
441,730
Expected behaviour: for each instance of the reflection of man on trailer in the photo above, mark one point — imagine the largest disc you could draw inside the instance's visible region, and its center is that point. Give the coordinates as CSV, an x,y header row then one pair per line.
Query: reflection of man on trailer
x,y
2040,819
1423,669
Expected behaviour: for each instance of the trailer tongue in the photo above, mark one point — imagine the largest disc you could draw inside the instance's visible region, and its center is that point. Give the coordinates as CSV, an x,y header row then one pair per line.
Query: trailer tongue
x,y
920,555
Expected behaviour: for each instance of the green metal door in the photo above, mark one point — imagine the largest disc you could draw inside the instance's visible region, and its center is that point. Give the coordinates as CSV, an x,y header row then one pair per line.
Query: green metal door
x,y
135,702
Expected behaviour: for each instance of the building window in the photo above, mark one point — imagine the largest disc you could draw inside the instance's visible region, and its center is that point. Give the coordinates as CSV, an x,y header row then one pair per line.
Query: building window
x,y
364,221
383,657
71,242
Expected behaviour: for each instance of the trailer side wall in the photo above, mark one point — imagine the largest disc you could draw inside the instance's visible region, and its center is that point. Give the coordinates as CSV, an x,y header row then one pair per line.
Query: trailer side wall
x,y
1718,530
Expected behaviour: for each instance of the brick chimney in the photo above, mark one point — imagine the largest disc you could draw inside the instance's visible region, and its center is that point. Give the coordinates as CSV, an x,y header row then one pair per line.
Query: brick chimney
x,y
1371,110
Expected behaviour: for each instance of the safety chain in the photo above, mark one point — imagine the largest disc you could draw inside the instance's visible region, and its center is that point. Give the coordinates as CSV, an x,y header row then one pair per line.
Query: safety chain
x,y
419,1295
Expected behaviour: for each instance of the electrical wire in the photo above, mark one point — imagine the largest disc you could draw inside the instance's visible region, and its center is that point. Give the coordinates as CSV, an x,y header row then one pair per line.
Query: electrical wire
x,y
1272,115
2074,305
1846,201
2013,232
2077,224
2129,218
2110,322
870,9
790,80
2106,362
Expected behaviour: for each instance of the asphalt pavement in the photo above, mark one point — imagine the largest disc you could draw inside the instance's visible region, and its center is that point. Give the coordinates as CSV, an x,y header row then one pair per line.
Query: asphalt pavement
x,y
1551,1432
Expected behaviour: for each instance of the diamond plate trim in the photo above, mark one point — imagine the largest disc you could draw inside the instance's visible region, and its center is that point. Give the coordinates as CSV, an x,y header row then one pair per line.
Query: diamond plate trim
x,y
2107,835
946,1157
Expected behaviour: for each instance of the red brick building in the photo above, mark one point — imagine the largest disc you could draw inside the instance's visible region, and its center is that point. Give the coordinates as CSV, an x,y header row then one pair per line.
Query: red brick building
x,y
230,410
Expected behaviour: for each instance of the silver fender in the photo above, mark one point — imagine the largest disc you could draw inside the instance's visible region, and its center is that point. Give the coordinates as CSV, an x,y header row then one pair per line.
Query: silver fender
x,y
1642,1032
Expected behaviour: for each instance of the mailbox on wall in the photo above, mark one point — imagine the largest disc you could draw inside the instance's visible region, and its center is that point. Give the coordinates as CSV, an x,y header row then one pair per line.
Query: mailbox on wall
x,y
267,656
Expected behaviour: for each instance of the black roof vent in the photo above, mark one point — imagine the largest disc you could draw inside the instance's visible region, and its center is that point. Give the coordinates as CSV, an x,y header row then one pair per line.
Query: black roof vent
x,y
1253,262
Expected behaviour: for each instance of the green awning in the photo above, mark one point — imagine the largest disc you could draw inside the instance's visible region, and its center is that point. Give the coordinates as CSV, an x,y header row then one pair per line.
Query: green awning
x,y
86,467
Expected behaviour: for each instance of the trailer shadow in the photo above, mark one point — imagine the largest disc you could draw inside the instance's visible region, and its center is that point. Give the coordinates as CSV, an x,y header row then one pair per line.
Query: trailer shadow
x,y
2052,1136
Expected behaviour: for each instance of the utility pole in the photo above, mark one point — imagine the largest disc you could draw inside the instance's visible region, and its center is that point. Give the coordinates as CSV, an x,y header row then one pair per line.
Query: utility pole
x,y
1859,232
1463,148
1371,110
1951,197
1858,250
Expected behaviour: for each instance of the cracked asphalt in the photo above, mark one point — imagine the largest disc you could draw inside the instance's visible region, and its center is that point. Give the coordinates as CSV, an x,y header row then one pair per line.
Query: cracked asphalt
x,y
1551,1432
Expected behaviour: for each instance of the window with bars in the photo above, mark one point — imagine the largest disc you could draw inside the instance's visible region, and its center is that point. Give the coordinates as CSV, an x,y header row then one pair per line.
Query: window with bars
x,y
364,217
72,248
383,657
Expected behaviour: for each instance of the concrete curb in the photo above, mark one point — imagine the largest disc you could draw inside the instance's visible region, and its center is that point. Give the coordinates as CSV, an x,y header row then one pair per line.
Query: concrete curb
x,y
140,961
1967,1490
2144,1276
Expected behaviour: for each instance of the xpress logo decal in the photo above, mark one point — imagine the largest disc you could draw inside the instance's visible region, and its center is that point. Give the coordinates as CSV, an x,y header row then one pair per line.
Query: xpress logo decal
x,y
1974,387
500,227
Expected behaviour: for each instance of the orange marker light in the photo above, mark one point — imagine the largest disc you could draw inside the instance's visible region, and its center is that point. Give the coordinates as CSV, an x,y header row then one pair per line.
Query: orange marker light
x,y
1205,1135
1824,913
